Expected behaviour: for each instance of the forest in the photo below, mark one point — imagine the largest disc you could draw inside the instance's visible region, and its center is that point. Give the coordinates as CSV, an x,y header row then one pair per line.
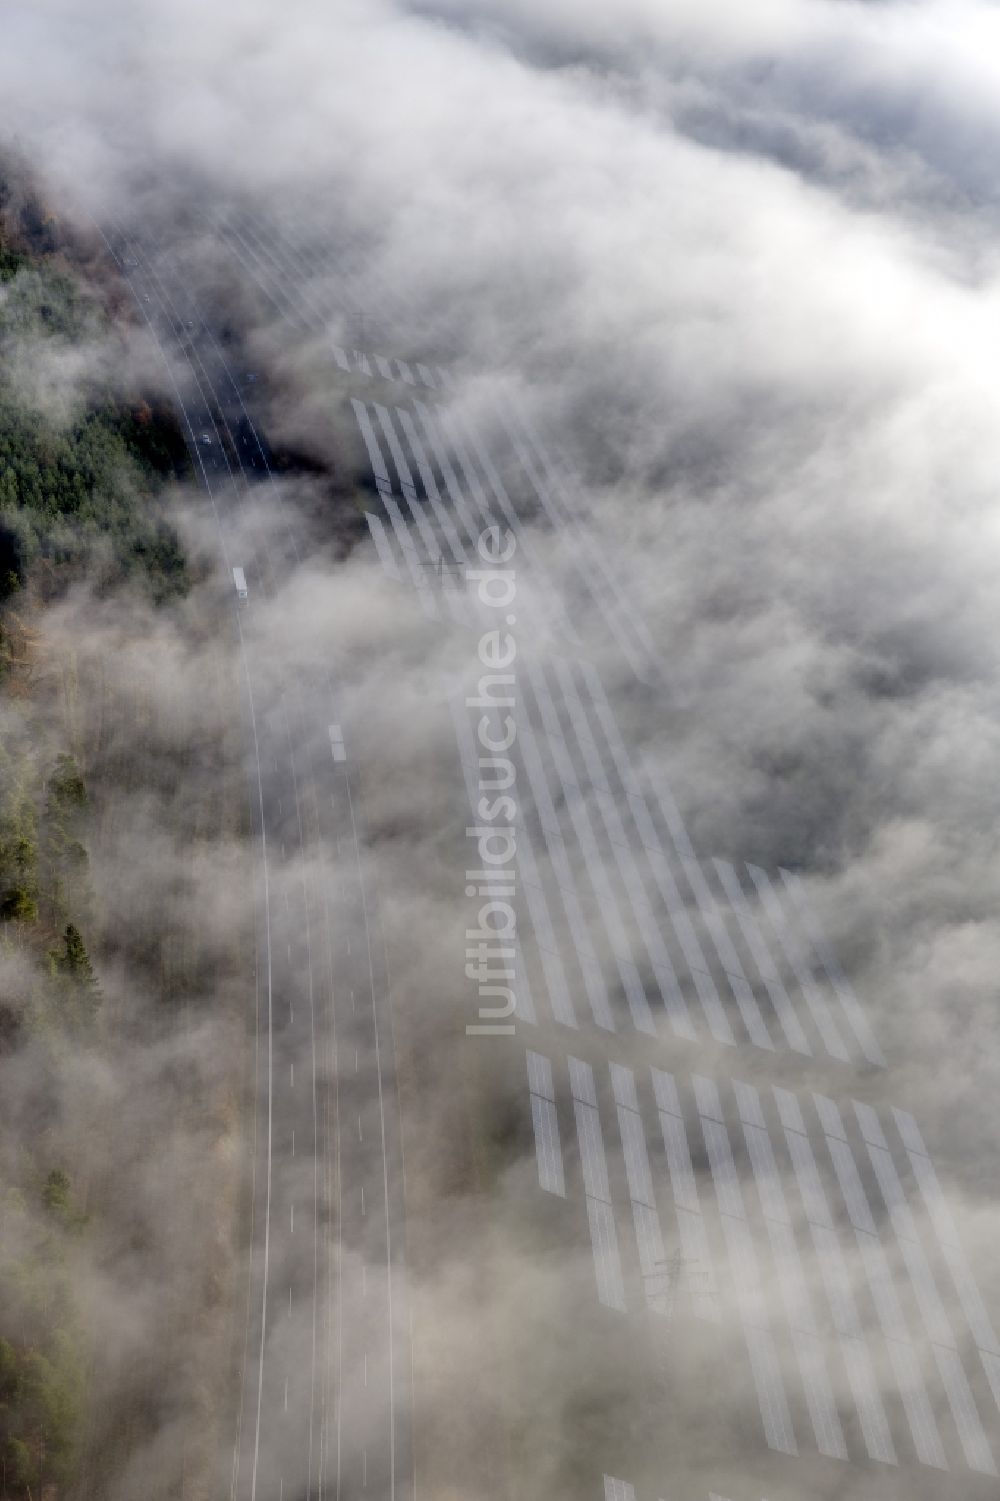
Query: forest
x,y
82,491
82,501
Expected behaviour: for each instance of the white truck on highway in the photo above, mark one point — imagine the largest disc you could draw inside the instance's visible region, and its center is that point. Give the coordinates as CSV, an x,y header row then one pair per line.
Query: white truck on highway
x,y
240,580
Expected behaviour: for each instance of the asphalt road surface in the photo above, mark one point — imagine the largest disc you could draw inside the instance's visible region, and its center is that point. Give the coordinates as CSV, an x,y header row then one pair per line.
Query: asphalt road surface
x,y
324,1406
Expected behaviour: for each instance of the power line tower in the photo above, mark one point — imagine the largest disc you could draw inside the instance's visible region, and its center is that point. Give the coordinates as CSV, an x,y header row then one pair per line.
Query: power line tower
x,y
668,1275
663,1286
445,570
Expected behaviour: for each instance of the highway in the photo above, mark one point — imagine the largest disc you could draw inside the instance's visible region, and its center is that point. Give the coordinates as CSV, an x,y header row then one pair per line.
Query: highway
x,y
325,1390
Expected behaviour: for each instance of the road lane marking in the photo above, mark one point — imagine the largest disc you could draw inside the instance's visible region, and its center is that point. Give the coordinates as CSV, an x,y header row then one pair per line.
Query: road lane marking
x,y
362,1198
360,1137
364,1468
293,1141
292,1216
364,1280
366,1368
292,1068
286,1393
355,1060
385,1163
289,1299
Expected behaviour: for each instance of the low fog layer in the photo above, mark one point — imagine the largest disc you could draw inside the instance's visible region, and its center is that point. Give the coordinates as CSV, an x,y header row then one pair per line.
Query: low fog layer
x,y
739,263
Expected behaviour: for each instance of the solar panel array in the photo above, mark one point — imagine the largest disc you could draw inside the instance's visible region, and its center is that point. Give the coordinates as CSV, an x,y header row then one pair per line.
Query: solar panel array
x,y
742,959
425,456
625,929
824,1226
789,1194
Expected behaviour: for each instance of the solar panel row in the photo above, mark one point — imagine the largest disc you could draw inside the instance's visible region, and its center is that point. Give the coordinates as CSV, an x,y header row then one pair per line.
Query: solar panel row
x,y
600,1214
548,1148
